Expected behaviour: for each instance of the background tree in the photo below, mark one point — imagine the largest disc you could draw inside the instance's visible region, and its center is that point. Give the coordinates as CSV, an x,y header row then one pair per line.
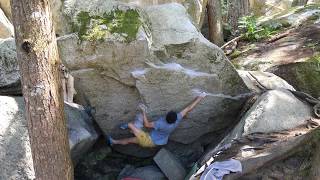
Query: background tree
x,y
235,10
299,2
214,11
39,66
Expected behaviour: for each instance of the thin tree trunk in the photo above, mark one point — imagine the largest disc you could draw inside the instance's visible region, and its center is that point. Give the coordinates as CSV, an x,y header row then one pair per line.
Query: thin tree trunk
x,y
315,160
236,10
299,2
39,67
215,22
315,166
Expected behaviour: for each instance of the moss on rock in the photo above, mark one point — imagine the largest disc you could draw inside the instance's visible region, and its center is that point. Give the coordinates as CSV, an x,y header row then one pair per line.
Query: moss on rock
x,y
124,24
304,76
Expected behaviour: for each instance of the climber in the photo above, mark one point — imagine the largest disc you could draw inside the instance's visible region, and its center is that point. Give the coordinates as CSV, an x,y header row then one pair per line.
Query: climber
x,y
160,129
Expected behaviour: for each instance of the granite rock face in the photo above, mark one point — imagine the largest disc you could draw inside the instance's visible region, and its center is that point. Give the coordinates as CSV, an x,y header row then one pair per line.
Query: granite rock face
x,y
163,67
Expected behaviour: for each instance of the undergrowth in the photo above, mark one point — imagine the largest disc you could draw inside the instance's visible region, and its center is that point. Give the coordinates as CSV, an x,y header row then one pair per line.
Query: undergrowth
x,y
315,59
252,31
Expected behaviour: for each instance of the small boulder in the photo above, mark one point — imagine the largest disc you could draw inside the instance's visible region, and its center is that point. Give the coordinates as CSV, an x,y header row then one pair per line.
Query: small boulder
x,y
15,152
82,134
170,165
9,69
258,81
147,173
274,111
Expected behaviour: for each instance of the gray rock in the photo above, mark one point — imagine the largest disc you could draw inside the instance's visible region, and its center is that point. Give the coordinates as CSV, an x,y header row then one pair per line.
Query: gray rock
x,y
274,111
161,68
82,134
6,28
257,79
293,16
15,151
170,165
9,69
147,173
65,12
60,21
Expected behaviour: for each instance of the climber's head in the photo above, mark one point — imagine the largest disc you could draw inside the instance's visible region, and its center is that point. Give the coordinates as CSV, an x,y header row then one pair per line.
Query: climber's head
x,y
171,117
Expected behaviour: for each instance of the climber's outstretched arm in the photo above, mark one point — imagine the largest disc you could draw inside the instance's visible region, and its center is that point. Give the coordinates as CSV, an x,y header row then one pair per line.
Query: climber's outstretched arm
x,y
146,122
196,101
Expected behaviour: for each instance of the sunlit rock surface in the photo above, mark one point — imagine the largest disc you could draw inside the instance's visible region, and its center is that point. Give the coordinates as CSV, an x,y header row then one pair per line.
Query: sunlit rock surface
x,y
274,111
64,12
259,81
6,28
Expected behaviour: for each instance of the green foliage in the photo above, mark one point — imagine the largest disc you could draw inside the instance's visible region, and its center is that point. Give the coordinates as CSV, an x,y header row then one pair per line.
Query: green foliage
x,y
123,23
235,54
315,59
236,64
252,31
224,7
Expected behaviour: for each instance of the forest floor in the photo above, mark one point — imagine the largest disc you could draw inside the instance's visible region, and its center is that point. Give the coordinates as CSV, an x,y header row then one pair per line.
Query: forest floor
x,y
297,44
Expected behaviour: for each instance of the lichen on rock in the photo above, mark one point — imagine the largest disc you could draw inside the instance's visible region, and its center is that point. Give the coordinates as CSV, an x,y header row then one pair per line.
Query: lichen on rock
x,y
119,24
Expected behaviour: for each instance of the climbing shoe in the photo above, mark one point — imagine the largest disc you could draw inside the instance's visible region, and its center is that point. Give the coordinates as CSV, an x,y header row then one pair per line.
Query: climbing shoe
x,y
110,140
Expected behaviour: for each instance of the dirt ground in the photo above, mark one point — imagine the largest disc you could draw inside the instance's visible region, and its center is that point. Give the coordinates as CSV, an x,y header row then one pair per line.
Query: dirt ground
x,y
298,45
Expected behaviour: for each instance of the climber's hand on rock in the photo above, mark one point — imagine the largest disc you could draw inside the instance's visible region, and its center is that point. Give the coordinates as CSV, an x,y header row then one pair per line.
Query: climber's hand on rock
x,y
142,107
203,95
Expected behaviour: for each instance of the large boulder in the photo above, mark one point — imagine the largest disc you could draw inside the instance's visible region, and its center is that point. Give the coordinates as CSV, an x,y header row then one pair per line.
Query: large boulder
x,y
9,69
274,111
304,76
162,67
15,151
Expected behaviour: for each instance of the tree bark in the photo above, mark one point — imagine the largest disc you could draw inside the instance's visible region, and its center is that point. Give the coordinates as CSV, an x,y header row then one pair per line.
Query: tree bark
x,y
41,85
315,163
215,22
236,10
299,3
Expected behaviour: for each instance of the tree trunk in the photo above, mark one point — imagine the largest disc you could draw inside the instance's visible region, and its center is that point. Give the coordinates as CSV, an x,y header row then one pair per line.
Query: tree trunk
x,y
236,10
39,67
215,22
299,3
315,163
